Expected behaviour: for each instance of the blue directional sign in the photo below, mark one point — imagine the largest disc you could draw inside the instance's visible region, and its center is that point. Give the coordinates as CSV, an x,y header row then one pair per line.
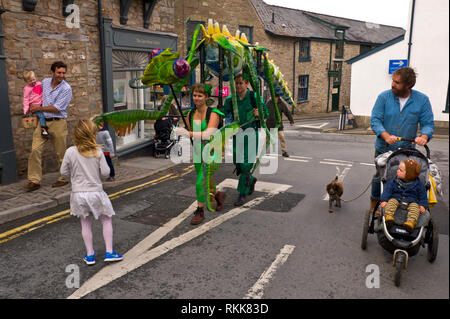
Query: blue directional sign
x,y
396,64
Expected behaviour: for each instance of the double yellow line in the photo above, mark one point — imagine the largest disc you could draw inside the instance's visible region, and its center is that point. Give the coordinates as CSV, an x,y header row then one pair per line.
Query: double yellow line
x,y
39,223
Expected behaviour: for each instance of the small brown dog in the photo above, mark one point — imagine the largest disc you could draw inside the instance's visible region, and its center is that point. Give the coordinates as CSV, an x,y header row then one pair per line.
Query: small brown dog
x,y
335,189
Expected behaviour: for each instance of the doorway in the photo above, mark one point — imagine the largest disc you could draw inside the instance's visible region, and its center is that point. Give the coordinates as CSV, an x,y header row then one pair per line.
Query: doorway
x,y
335,98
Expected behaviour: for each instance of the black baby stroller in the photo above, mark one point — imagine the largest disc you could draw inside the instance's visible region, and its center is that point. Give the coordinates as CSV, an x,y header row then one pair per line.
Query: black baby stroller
x,y
165,138
397,240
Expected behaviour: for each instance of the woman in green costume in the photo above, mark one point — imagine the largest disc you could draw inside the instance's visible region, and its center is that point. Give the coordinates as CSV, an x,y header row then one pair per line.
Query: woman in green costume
x,y
201,128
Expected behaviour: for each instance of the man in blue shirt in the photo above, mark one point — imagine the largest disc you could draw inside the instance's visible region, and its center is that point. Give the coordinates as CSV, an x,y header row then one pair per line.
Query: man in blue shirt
x,y
397,113
56,97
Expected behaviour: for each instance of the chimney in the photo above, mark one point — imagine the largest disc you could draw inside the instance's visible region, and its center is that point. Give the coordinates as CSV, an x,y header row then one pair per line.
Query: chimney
x,y
273,17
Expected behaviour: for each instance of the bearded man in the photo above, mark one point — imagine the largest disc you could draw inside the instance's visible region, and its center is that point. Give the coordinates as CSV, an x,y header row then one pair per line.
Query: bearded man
x,y
397,113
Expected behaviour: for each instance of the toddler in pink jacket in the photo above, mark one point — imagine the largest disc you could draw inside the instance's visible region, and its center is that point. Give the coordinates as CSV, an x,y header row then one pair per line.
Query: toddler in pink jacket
x,y
32,94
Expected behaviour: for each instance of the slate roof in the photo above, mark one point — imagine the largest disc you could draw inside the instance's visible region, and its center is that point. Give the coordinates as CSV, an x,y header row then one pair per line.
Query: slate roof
x,y
305,24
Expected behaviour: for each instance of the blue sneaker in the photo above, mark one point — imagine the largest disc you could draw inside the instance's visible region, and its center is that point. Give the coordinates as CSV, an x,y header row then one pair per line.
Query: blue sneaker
x,y
89,260
113,256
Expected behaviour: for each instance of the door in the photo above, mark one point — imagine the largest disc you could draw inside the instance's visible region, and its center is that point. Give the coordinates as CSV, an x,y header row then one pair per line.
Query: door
x,y
335,98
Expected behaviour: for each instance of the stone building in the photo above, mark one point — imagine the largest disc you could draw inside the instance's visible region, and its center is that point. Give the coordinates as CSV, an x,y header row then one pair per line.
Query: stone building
x,y
308,48
106,49
103,50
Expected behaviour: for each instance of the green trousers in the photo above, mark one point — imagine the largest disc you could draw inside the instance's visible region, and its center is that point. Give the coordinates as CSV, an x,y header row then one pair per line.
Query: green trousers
x,y
244,164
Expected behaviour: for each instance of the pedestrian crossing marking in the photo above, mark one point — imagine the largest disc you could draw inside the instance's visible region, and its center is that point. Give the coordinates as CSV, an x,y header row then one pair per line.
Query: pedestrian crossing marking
x,y
141,253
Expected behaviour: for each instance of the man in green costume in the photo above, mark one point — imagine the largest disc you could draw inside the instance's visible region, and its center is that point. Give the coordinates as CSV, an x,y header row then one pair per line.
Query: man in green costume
x,y
248,119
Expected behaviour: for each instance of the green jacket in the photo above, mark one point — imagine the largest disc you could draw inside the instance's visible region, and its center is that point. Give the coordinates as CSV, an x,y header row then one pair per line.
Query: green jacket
x,y
245,109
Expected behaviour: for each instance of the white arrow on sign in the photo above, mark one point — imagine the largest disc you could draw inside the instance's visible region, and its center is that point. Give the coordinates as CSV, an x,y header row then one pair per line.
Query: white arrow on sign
x,y
399,63
316,126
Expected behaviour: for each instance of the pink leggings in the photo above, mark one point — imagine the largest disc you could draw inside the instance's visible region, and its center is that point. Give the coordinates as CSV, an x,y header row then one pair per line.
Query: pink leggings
x,y
86,233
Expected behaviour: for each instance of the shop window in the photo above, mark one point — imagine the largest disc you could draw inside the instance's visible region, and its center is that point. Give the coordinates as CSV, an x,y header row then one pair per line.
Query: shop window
x,y
303,85
248,32
129,65
304,49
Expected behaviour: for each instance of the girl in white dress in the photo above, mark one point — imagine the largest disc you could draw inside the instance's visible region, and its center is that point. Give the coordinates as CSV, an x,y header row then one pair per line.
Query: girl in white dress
x,y
85,165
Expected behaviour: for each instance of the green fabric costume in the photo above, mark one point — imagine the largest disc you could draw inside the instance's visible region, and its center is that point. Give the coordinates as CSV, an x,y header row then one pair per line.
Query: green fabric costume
x,y
198,147
244,167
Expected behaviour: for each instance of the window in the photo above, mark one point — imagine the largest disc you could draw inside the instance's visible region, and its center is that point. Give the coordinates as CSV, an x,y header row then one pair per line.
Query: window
x,y
304,46
190,28
337,66
248,32
340,34
303,83
364,48
128,65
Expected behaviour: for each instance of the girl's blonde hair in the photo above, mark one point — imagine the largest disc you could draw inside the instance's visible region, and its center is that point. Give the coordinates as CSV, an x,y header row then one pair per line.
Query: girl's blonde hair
x,y
85,138
27,75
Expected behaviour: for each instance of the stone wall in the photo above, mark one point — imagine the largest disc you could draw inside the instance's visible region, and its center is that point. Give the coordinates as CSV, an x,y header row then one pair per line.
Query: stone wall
x,y
34,40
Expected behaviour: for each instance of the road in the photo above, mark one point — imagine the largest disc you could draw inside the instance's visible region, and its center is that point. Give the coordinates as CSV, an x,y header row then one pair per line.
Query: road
x,y
282,244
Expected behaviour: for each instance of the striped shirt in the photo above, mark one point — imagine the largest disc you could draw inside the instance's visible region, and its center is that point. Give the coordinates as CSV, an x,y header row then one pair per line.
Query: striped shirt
x,y
59,97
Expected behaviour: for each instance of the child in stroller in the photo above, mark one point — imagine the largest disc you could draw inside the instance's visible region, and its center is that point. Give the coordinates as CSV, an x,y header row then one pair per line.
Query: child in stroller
x,y
407,190
164,136
392,235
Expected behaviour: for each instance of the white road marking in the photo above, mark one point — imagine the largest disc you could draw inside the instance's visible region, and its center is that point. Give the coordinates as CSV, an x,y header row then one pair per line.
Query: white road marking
x,y
340,178
301,157
291,132
257,291
315,125
140,254
335,163
296,160
368,164
335,160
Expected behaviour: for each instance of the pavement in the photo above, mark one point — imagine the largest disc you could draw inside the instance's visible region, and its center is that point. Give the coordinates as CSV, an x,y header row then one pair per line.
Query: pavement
x,y
16,203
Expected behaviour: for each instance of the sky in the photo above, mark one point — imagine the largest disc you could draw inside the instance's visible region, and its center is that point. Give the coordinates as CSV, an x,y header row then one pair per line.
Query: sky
x,y
388,12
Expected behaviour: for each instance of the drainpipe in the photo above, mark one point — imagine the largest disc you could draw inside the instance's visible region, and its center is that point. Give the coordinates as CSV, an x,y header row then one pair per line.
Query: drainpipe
x,y
411,31
8,170
329,68
102,53
293,78
103,69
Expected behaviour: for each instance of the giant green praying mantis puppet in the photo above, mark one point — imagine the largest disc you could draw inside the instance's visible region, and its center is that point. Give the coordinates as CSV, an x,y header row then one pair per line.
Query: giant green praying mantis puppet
x,y
239,55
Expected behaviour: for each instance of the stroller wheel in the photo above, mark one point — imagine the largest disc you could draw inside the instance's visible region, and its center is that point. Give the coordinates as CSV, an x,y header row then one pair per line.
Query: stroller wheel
x,y
167,155
400,265
365,232
432,247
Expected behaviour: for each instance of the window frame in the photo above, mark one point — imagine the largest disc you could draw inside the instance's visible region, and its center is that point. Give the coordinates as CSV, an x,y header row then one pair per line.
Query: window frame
x,y
308,49
200,37
249,34
364,48
339,43
302,98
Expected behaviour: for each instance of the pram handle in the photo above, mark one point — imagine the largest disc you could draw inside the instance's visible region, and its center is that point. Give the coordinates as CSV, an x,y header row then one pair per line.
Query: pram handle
x,y
414,141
